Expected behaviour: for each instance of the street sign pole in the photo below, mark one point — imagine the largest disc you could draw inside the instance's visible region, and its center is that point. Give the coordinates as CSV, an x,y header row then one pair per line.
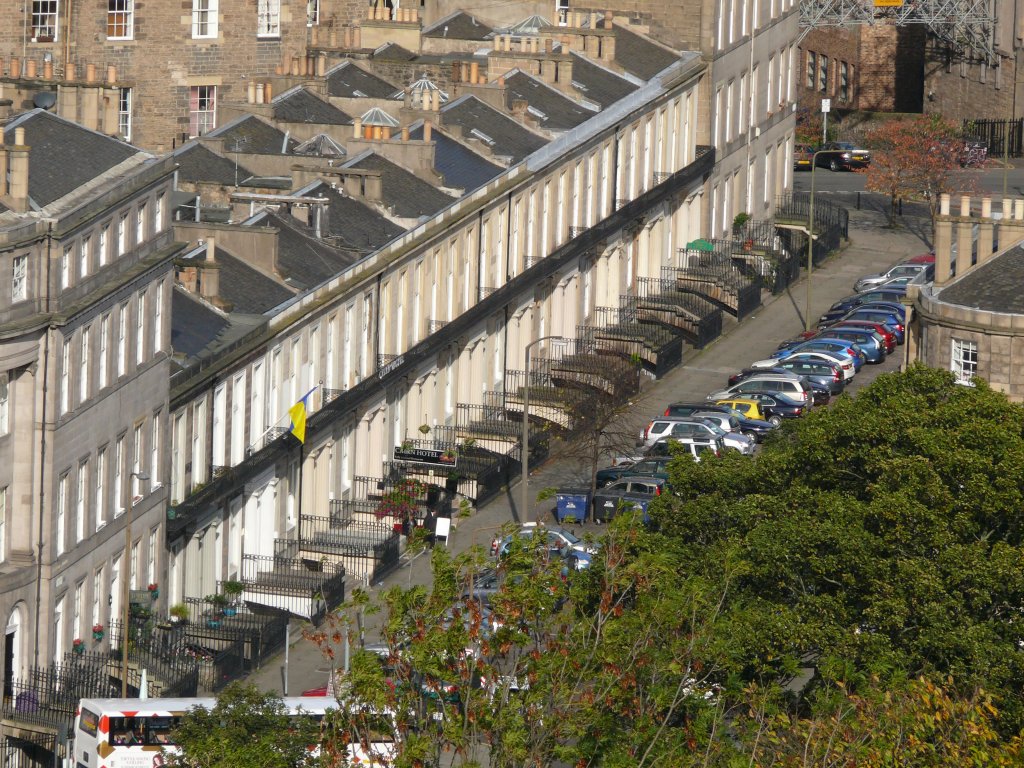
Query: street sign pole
x,y
826,106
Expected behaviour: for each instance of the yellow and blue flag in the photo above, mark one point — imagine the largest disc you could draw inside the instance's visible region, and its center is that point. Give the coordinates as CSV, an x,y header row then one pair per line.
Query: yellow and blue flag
x,y
298,415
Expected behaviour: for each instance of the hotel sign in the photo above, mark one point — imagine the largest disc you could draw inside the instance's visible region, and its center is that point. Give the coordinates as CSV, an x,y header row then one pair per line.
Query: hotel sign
x,y
427,456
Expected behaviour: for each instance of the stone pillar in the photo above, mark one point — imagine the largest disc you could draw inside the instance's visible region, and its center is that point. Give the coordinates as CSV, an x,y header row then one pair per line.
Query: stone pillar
x,y
964,239
985,227
111,103
943,241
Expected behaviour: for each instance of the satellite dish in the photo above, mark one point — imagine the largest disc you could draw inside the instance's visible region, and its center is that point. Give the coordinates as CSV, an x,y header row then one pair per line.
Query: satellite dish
x,y
44,99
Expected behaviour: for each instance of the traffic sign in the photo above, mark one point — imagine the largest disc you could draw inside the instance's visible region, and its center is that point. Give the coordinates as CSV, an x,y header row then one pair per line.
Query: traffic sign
x,y
826,105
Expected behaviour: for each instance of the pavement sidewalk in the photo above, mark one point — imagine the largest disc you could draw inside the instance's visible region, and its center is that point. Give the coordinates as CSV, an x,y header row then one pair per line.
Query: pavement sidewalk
x,y
873,247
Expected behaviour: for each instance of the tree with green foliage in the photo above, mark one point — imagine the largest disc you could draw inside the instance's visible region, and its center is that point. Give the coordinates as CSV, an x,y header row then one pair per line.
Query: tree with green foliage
x,y
246,729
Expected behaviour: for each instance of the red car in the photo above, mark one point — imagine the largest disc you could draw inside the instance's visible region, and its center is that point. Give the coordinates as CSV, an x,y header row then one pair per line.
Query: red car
x,y
924,258
888,336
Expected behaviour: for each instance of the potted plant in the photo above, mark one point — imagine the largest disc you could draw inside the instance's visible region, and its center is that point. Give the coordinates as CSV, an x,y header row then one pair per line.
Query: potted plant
x,y
97,632
232,591
78,646
179,613
154,591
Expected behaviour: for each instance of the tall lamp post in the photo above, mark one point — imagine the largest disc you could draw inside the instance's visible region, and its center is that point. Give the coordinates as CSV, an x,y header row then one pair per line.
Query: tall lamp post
x,y
810,241
126,585
526,421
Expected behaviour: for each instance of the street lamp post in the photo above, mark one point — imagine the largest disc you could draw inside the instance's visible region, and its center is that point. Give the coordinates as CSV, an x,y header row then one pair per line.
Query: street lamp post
x,y
126,584
810,241
526,422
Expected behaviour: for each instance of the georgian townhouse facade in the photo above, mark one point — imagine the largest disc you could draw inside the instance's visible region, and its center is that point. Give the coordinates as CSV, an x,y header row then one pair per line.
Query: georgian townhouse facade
x,y
432,322
86,253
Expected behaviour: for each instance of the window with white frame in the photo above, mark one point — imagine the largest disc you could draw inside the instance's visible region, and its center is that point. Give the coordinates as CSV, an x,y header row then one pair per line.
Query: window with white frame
x,y
122,235
83,365
312,12
79,607
124,113
45,14
104,244
153,553
136,464
101,486
81,497
65,377
83,257
3,524
120,19
19,278
770,101
204,18
65,268
202,109
140,224
154,451
158,214
140,328
122,339
5,408
964,361
104,352
62,511
97,594
118,488
158,318
268,18
823,73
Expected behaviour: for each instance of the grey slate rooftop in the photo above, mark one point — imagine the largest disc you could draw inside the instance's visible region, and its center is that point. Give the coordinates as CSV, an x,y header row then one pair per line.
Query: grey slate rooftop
x,y
460,166
459,26
551,110
348,80
320,145
394,52
597,84
249,290
197,163
303,260
301,106
501,134
64,155
995,286
407,195
353,225
250,135
194,325
639,55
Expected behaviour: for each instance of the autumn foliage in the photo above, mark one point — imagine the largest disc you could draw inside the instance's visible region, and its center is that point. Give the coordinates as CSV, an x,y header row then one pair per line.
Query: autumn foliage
x,y
913,158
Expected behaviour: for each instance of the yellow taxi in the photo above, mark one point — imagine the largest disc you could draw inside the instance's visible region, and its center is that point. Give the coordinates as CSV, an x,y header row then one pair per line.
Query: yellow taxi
x,y
751,409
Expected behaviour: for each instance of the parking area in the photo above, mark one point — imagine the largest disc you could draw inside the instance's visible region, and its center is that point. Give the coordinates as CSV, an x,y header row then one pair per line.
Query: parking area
x,y
873,248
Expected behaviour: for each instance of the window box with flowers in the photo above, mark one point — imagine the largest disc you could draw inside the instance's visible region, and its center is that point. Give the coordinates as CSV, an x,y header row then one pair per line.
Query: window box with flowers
x,y
78,646
154,591
97,632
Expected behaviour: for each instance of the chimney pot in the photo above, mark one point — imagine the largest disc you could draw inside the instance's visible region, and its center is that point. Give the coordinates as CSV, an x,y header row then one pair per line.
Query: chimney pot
x,y
15,67
111,74
19,136
405,133
427,131
211,250
30,68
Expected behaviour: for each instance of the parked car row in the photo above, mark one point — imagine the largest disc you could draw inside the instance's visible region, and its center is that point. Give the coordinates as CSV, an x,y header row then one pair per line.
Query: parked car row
x,y
834,155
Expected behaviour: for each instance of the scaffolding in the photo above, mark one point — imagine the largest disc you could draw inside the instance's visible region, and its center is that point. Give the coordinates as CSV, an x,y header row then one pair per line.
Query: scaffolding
x,y
967,27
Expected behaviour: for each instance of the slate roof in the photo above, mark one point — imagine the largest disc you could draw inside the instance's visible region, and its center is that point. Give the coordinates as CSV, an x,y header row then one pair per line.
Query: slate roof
x,y
352,224
194,325
640,56
249,290
302,259
503,135
395,52
64,155
403,192
551,110
301,106
198,163
350,81
461,167
995,286
459,26
598,84
320,145
251,135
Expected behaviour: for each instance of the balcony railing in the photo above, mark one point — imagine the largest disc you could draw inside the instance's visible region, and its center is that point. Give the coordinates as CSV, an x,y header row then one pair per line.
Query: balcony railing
x,y
292,586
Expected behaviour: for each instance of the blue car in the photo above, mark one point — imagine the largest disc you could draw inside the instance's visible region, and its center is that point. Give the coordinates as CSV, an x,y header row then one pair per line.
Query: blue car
x,y
824,343
882,316
873,348
844,305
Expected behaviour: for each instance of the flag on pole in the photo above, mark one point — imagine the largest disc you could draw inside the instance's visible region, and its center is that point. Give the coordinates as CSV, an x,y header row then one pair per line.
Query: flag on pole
x,y
298,415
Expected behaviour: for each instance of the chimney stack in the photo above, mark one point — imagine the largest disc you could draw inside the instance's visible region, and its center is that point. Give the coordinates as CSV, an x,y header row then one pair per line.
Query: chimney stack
x,y
209,275
18,161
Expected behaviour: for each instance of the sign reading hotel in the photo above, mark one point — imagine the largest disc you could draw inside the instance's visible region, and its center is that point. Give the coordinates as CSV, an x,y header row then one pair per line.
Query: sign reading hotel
x,y
427,456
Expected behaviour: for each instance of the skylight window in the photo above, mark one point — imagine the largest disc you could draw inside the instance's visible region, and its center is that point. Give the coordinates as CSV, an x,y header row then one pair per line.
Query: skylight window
x,y
482,136
578,85
360,94
536,113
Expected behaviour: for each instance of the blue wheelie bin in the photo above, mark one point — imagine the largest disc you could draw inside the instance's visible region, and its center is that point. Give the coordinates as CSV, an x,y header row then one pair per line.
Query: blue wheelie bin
x,y
572,505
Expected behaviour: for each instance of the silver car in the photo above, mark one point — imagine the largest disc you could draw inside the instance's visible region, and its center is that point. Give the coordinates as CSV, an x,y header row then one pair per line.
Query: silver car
x,y
868,282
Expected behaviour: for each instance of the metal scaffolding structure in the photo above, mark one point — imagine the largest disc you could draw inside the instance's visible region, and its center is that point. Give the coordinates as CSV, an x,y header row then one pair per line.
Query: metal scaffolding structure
x,y
967,26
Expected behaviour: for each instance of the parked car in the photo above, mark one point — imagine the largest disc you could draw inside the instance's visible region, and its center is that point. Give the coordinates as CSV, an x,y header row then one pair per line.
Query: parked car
x,y
697,447
559,540
879,315
924,258
888,334
696,426
773,406
911,271
843,362
746,373
655,467
821,373
683,410
872,344
842,156
627,491
755,429
767,383
803,156
828,344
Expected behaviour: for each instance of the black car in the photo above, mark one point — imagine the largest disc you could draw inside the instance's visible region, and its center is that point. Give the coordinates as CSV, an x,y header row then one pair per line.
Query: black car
x,y
631,490
775,406
842,156
654,466
839,310
822,372
820,394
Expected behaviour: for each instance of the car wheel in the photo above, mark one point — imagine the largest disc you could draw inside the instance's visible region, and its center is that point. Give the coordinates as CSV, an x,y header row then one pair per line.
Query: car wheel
x,y
775,420
751,434
833,165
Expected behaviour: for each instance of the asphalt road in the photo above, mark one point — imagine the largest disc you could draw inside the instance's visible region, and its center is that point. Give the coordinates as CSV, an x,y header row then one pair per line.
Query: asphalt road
x,y
987,179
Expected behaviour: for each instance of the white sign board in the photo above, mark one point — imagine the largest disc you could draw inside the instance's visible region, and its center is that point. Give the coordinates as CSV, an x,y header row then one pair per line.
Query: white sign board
x,y
442,526
826,105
